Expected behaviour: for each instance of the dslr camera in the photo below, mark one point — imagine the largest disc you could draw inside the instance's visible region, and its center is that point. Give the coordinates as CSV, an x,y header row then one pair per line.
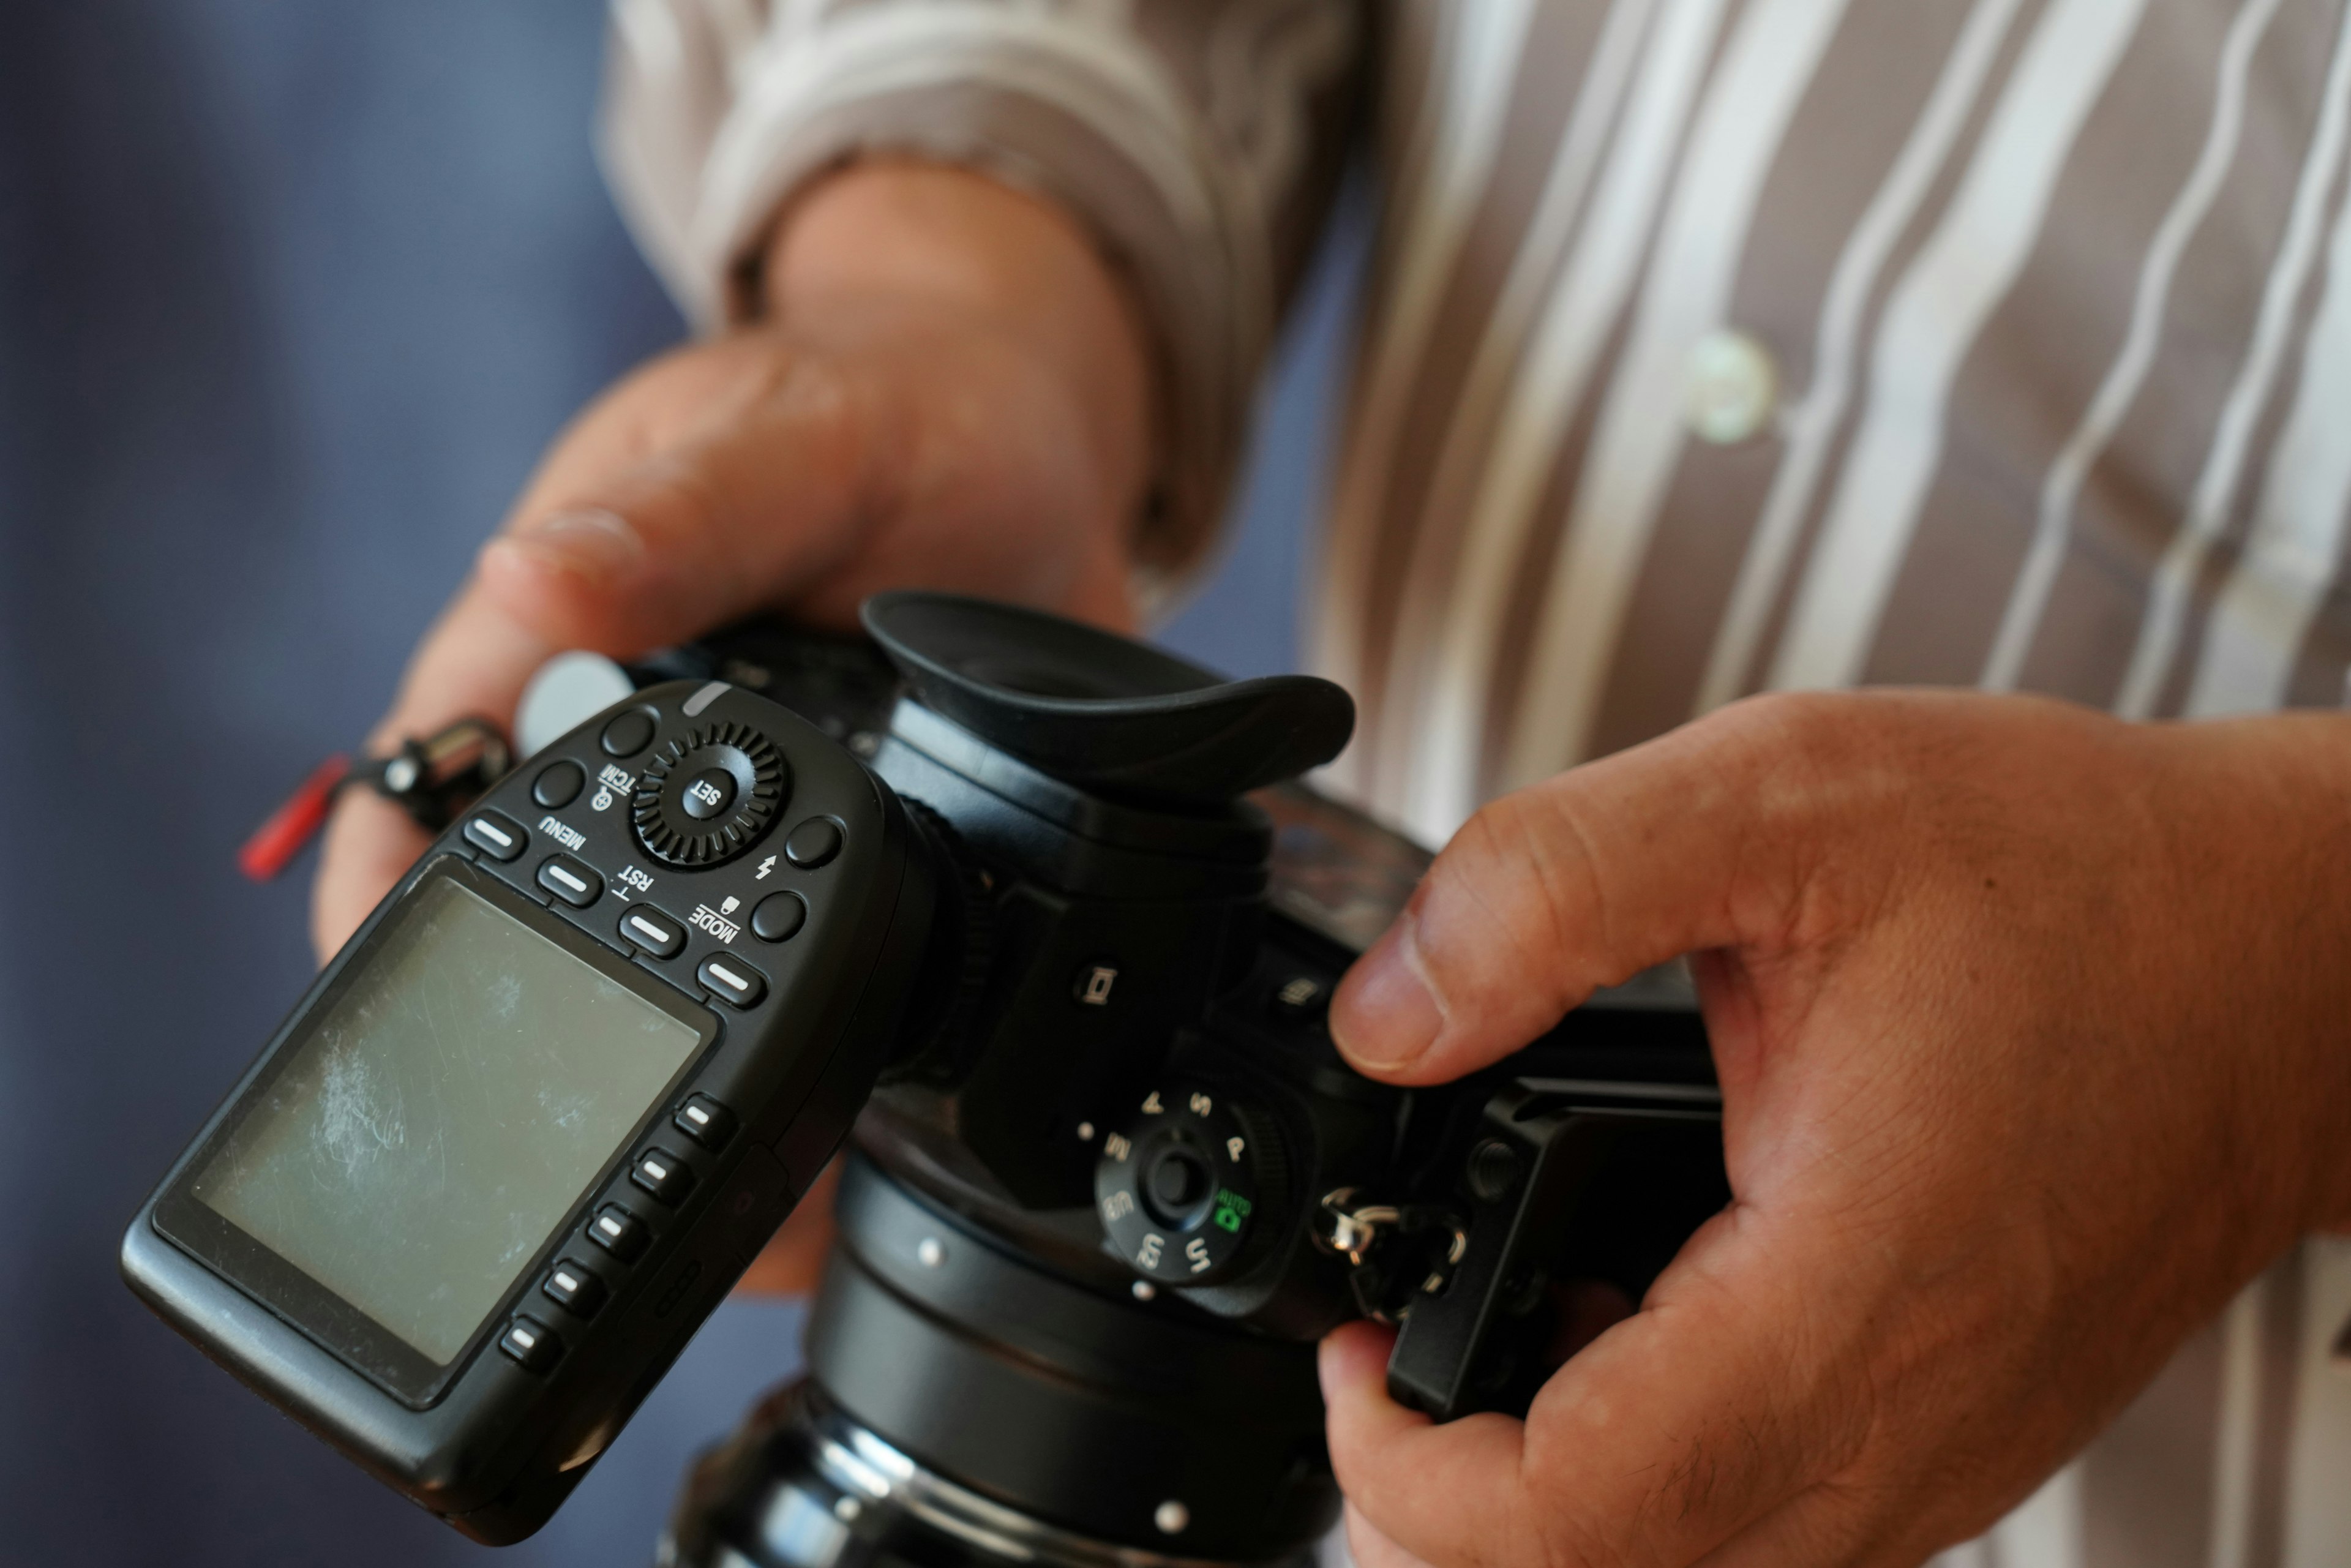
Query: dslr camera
x,y
1033,928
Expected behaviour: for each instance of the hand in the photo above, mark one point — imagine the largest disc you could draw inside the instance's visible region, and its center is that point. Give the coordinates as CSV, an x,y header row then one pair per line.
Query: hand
x,y
947,389
2029,1025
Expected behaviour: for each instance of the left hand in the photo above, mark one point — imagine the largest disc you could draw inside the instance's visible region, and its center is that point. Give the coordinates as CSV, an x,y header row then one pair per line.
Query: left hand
x,y
2031,1031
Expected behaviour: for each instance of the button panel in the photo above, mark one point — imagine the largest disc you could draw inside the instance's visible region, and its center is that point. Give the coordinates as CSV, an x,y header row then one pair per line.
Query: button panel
x,y
531,1342
732,980
663,1174
706,1121
645,927
495,834
570,881
574,1287
619,1232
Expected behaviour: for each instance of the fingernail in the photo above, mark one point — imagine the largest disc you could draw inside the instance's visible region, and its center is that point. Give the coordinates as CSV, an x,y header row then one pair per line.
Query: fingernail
x,y
590,542
1385,1017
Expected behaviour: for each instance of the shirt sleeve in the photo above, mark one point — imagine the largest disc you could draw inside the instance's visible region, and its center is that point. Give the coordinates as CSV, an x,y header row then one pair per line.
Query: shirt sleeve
x,y
1195,137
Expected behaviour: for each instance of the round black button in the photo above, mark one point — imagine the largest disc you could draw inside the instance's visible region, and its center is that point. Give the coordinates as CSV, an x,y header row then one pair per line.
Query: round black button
x,y
1177,1182
559,784
629,733
812,843
779,917
707,793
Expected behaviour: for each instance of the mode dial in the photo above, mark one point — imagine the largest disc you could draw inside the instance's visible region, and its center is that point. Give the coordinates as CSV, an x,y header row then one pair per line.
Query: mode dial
x,y
707,796
1186,1184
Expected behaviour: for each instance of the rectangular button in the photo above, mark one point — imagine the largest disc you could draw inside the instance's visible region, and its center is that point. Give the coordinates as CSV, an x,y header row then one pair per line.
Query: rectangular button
x,y
574,1287
663,1174
619,1232
570,881
495,834
643,926
706,1121
731,979
531,1342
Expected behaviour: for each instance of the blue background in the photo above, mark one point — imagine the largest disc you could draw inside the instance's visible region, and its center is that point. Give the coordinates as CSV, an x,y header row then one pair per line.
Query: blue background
x,y
290,298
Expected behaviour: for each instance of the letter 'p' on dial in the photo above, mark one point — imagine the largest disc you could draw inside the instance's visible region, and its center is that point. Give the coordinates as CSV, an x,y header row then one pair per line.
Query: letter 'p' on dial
x,y
1185,1184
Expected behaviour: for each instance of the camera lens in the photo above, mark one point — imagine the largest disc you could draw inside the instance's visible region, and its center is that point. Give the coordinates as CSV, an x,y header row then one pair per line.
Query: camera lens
x,y
805,1485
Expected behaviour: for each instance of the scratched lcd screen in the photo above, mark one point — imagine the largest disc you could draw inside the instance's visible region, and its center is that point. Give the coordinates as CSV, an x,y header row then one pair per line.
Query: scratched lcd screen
x,y
444,1116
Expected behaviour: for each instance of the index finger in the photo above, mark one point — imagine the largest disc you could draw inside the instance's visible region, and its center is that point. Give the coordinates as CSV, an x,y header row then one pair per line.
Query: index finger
x,y
475,660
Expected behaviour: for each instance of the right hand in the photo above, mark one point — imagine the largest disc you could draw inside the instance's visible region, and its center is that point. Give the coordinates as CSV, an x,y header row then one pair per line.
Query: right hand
x,y
947,389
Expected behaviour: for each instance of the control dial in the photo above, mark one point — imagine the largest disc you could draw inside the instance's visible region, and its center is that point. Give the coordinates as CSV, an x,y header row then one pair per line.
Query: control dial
x,y
1187,1181
706,797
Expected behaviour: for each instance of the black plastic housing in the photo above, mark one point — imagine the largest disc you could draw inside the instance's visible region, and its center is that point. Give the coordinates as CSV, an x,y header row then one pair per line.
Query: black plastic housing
x,y
488,1446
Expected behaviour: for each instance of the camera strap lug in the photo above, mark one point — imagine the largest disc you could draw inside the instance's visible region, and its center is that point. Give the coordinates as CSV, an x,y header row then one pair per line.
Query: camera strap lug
x,y
1396,1254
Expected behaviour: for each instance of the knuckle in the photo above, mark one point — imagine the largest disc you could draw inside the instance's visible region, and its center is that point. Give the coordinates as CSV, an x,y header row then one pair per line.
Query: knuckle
x,y
1530,867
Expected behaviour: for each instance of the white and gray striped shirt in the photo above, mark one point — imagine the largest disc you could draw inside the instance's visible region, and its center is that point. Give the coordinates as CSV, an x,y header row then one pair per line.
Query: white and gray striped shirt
x,y
1713,346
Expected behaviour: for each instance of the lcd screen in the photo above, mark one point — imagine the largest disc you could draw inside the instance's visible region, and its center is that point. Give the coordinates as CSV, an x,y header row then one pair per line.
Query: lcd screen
x,y
443,1115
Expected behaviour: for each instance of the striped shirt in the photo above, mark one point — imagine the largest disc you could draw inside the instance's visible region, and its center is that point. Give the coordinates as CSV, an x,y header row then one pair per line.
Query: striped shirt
x,y
1712,347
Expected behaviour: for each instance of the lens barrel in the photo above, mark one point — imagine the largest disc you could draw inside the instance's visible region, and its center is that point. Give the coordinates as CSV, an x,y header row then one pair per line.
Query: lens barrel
x,y
802,1485
965,1405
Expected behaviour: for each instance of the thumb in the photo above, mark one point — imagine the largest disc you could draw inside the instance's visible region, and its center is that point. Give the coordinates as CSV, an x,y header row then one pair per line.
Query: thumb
x,y
715,482
1695,840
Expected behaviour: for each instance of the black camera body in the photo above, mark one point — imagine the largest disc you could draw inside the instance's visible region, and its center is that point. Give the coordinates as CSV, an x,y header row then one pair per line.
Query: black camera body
x,y
1040,911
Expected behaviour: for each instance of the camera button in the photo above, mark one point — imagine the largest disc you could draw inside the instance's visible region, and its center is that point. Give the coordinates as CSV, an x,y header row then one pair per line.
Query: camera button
x,y
575,1288
812,843
708,794
663,1174
779,917
619,1232
732,980
629,733
559,784
531,1342
570,881
645,927
495,834
706,1121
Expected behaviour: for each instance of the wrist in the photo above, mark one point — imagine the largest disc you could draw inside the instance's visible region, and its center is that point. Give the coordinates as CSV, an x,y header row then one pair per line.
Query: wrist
x,y
2278,807
893,234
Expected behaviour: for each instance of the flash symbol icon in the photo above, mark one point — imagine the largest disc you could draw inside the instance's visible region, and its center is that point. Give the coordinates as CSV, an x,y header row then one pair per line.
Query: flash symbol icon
x,y
765,867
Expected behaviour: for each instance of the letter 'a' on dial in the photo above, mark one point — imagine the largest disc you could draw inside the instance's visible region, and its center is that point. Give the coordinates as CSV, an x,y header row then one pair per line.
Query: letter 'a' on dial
x,y
1186,1183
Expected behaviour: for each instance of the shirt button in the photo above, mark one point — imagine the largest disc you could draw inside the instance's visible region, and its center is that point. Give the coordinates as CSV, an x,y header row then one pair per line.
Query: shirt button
x,y
1734,388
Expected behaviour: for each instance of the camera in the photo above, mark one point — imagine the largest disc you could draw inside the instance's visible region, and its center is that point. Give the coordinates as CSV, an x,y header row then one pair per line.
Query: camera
x,y
1039,925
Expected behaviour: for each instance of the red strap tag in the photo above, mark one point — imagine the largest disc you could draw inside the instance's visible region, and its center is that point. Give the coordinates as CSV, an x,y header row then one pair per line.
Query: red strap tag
x,y
277,842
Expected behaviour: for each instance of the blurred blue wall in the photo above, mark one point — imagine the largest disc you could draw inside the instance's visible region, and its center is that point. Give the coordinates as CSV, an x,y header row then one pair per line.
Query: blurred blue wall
x,y
290,298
